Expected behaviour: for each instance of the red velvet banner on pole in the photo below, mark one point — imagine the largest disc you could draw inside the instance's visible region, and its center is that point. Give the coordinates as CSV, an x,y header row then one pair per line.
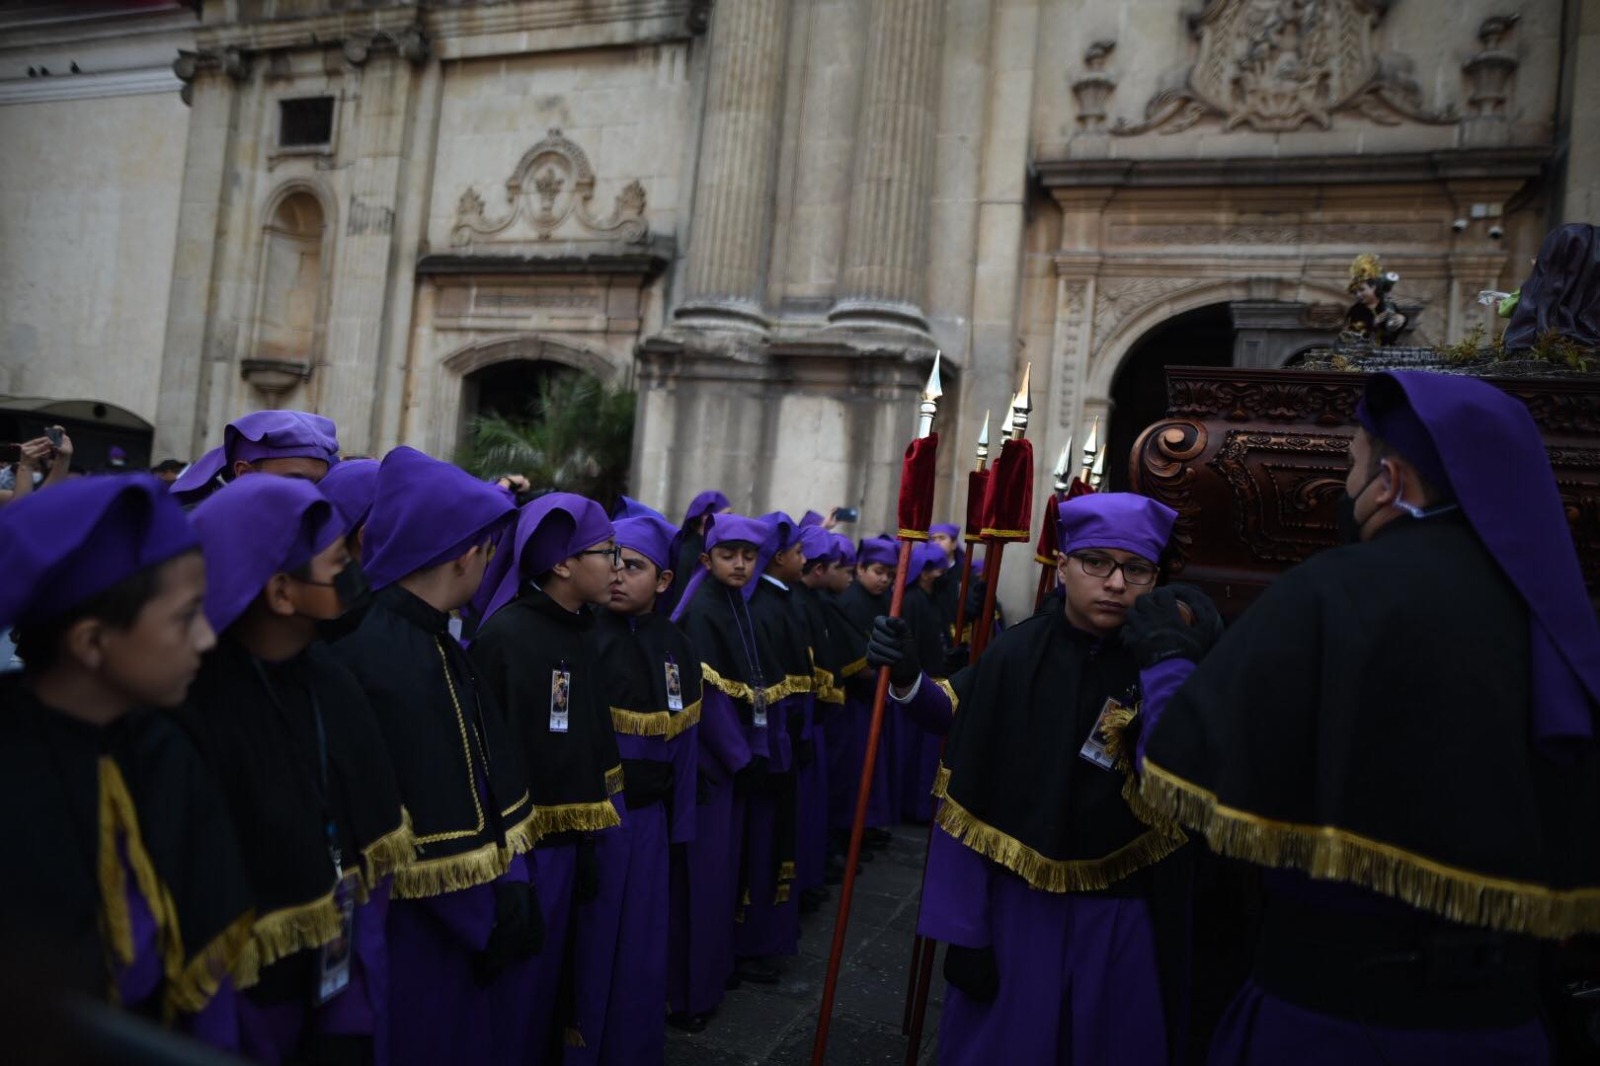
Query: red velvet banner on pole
x,y
917,475
1008,497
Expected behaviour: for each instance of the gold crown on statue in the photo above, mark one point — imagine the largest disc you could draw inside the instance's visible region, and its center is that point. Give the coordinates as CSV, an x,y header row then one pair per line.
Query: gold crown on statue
x,y
1369,267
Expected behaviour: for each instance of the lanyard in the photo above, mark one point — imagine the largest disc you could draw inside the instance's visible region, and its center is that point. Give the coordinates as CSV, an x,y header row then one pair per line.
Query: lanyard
x,y
751,653
330,827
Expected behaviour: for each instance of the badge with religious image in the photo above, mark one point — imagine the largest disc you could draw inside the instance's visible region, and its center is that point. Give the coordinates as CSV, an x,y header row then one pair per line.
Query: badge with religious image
x,y
758,706
1094,748
674,687
560,693
333,958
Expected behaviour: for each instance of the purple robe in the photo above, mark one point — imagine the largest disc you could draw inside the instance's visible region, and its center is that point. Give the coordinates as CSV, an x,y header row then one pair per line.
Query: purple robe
x,y
844,775
622,943
438,1010
1078,976
705,877
525,1017
811,834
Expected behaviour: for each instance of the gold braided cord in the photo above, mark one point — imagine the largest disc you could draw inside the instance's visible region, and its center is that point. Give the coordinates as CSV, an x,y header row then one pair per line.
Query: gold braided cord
x,y
118,818
665,724
943,685
849,670
1334,854
466,753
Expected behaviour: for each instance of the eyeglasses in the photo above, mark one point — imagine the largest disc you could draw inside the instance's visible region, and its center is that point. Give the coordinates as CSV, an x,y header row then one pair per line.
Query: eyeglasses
x,y
1134,571
615,552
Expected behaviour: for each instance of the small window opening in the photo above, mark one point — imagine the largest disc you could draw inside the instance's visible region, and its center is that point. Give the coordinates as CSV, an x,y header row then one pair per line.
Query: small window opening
x,y
305,122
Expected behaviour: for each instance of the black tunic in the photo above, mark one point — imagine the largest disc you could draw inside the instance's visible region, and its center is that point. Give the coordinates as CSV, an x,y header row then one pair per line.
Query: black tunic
x,y
518,652
1367,721
460,772
59,777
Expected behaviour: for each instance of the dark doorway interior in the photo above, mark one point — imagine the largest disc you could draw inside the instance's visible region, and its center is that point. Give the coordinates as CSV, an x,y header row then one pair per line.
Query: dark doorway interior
x,y
511,388
1202,337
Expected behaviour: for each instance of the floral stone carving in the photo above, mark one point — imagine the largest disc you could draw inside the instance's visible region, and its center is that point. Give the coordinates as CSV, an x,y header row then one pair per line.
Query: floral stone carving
x,y
553,184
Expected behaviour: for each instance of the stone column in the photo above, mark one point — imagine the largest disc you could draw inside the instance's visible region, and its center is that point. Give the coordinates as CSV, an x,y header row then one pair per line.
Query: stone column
x,y
886,246
738,164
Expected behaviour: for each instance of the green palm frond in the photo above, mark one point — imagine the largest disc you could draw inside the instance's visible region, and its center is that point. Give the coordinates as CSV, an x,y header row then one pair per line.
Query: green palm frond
x,y
577,436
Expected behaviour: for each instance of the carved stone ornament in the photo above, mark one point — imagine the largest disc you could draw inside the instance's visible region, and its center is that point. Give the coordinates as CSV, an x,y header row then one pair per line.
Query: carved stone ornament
x,y
553,184
1491,71
1276,65
1093,91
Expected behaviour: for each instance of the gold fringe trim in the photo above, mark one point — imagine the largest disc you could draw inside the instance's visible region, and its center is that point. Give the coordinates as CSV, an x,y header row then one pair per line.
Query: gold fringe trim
x,y
665,724
791,685
614,782
1004,534
284,932
972,538
1059,875
1114,727
203,974
389,853
911,534
1043,560
427,878
577,817
572,1037
852,669
117,815
786,871
823,685
781,894
1334,854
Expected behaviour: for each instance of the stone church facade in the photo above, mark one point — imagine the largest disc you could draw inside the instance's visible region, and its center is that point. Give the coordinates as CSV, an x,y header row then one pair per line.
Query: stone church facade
x,y
764,215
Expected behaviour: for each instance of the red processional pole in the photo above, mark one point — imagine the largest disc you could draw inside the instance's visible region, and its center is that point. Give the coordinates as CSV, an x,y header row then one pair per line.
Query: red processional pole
x,y
917,476
1005,516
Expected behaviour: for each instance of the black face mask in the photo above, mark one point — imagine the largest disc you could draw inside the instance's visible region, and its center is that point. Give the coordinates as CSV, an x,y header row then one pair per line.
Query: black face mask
x,y
1344,513
352,587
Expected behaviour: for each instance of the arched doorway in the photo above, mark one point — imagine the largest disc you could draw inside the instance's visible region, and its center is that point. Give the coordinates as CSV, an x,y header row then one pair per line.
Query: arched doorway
x,y
1201,337
511,389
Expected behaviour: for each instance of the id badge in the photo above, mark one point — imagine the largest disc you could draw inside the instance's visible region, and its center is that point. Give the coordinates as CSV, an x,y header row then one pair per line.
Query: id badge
x,y
758,707
333,958
560,698
1094,749
674,687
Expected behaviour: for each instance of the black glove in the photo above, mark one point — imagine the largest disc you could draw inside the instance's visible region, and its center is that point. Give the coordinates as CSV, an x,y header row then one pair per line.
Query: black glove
x,y
518,930
973,970
1156,628
891,645
752,778
586,875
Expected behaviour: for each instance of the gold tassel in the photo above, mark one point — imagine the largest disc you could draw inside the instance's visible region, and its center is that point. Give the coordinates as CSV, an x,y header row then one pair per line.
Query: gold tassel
x,y
1334,854
850,670
664,724
1054,875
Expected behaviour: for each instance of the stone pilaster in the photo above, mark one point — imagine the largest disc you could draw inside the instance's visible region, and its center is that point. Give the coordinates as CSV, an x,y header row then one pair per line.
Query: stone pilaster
x,y
885,267
738,163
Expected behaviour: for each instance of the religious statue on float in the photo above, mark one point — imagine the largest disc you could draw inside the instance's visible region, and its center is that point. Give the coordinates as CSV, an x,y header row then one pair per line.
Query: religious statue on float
x,y
1373,319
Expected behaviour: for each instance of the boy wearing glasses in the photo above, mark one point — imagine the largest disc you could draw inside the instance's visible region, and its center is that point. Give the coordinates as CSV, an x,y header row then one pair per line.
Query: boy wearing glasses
x,y
1065,928
534,654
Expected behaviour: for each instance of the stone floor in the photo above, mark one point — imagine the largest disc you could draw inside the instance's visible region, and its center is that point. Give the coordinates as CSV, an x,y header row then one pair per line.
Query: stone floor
x,y
776,1024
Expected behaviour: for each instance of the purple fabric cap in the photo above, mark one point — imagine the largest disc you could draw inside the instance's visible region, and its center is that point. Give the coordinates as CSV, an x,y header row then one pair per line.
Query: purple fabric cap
x,y
782,533
710,501
1493,457
811,518
352,486
726,527
627,507
928,556
1122,520
817,543
651,536
64,545
879,550
426,512
949,529
255,527
845,548
264,435
550,529
1384,412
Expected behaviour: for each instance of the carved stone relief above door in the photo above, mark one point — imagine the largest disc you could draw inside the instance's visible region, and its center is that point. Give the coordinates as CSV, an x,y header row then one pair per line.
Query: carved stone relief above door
x,y
552,193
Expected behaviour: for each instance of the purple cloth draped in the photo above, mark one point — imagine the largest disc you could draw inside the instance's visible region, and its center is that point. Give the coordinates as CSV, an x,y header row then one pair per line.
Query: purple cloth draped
x,y
1078,977
622,944
141,978
1260,1029
438,1011
703,889
525,1017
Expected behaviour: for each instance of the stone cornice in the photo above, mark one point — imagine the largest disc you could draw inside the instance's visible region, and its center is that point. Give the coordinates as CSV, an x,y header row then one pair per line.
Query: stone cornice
x,y
143,82
641,264
1055,173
